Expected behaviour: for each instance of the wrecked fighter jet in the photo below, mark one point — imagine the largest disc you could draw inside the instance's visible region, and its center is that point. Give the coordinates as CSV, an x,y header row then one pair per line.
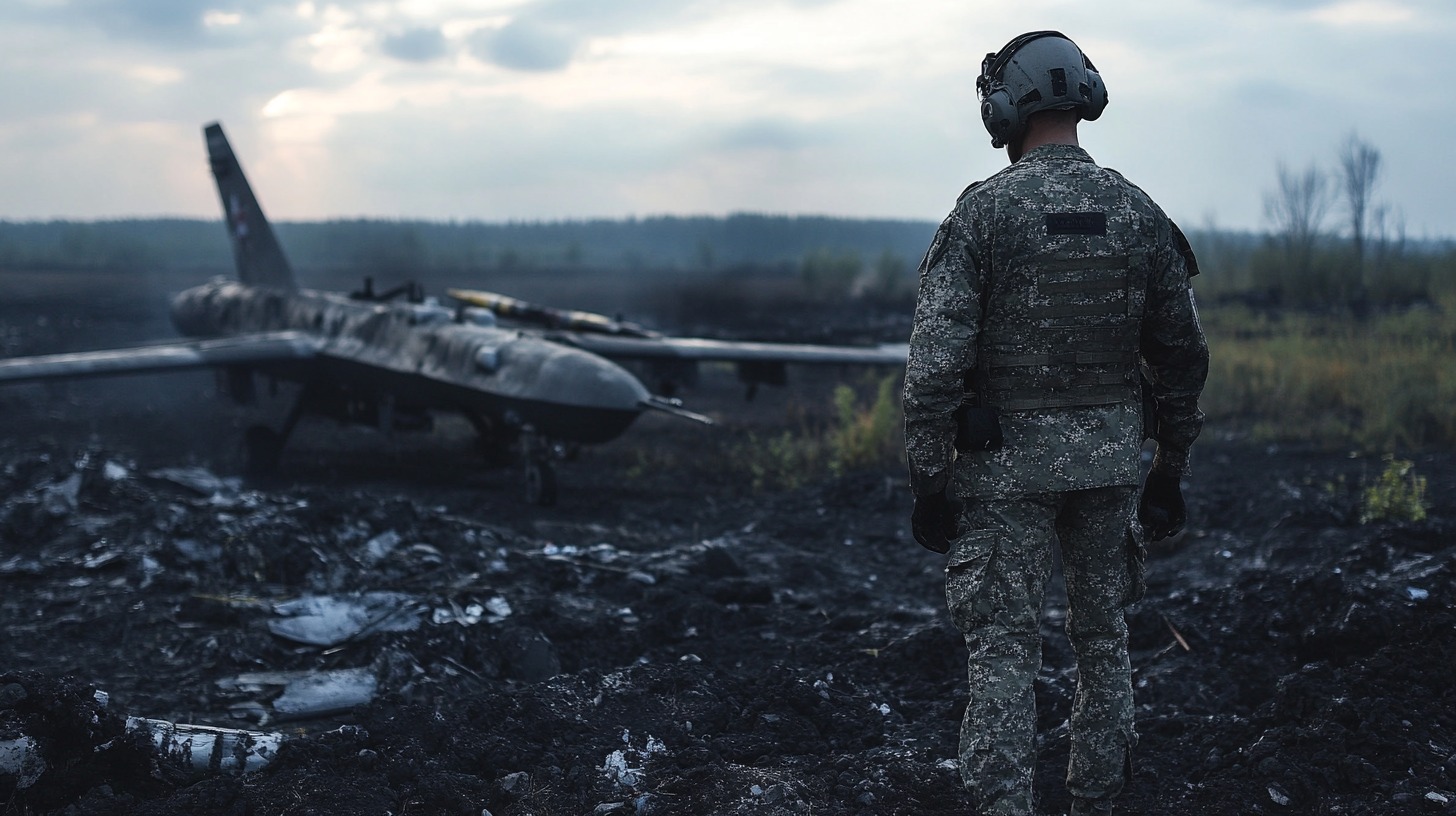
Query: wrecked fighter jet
x,y
391,359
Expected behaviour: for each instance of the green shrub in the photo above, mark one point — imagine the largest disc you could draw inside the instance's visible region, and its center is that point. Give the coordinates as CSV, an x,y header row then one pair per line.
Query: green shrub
x,y
866,436
1398,495
858,436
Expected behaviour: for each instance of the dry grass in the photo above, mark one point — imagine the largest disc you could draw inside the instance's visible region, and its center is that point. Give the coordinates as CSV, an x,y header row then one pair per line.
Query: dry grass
x,y
1385,383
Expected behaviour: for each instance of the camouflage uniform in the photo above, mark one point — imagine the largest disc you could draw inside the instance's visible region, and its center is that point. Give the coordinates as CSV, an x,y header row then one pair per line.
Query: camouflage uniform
x,y
1043,292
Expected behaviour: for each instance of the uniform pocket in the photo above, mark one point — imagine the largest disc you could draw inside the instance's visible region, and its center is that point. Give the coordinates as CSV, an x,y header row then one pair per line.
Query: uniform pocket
x,y
967,570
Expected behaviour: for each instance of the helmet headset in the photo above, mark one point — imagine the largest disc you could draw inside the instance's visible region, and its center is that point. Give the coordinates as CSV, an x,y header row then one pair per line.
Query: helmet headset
x,y
1041,70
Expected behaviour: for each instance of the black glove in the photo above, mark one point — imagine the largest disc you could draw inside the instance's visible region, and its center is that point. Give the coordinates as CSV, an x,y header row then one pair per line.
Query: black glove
x,y
1161,511
933,521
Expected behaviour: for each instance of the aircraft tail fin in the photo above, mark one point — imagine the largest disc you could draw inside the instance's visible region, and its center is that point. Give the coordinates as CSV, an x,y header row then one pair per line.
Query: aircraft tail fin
x,y
256,251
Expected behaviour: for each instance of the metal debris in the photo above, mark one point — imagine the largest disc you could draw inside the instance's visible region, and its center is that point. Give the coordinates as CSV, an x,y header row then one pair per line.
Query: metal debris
x,y
208,749
328,620
20,758
199,480
301,694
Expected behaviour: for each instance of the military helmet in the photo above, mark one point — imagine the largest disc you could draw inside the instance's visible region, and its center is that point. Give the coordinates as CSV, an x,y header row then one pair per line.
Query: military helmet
x,y
1041,70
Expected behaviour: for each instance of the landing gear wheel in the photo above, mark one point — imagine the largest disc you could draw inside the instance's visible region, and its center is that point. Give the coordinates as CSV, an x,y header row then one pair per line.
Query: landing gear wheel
x,y
540,483
262,447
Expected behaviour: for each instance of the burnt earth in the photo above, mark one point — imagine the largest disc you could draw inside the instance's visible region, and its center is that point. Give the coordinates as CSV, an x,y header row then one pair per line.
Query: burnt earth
x,y
668,640
730,653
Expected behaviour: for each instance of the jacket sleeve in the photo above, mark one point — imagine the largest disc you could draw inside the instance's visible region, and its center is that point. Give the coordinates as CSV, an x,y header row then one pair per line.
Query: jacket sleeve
x,y
942,350
1176,352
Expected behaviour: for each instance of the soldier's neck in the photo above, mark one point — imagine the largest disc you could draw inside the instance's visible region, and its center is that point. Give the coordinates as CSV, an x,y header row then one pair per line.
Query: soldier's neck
x,y
1043,133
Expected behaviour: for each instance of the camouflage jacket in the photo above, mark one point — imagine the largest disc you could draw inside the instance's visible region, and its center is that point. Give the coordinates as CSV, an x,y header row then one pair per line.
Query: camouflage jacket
x,y
1043,293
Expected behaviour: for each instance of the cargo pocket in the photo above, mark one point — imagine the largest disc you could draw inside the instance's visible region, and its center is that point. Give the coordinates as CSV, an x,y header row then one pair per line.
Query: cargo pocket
x,y
1137,558
966,571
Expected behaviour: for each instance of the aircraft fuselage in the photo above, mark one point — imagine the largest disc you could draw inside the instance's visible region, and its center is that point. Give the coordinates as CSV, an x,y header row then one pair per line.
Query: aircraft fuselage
x,y
419,357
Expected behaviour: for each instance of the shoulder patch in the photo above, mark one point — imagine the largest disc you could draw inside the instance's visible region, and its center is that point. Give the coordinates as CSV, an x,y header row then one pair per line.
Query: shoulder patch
x,y
1081,223
1180,242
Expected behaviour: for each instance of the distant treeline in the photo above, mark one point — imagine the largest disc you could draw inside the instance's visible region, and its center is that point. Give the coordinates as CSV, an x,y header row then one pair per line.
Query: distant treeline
x,y
832,256
389,246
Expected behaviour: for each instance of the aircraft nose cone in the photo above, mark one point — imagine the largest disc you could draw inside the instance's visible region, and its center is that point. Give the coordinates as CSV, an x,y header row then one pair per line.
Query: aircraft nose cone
x,y
578,378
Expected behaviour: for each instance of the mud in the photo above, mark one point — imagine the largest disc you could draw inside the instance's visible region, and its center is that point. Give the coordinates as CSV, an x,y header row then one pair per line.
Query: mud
x,y
667,640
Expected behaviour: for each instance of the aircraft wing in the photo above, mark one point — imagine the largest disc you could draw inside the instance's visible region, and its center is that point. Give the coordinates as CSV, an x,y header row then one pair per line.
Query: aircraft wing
x,y
702,350
248,349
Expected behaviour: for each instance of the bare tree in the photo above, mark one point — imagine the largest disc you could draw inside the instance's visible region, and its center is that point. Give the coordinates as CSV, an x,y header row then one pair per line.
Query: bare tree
x,y
1359,171
1297,210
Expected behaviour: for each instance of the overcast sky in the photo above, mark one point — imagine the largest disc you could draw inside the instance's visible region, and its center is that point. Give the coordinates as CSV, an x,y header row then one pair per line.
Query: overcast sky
x,y
549,109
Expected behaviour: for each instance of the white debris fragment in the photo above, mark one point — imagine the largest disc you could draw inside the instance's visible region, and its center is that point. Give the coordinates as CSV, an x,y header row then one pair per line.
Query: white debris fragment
x,y
619,771
949,765
201,481
1416,593
328,620
206,748
426,554
1438,797
114,472
63,497
307,693
624,766
151,568
498,609
468,616
1278,796
379,547
644,578
21,759
882,708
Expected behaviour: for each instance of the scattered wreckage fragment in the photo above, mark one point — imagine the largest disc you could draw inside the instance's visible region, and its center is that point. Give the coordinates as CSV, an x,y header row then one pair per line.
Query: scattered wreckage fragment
x,y
201,749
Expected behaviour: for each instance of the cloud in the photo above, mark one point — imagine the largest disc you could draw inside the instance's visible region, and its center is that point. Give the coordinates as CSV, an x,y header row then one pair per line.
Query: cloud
x,y
415,45
772,134
527,45
164,20
547,35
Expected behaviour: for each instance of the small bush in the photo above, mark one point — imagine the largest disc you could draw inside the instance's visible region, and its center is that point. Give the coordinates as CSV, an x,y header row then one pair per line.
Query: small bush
x,y
1398,495
866,436
859,436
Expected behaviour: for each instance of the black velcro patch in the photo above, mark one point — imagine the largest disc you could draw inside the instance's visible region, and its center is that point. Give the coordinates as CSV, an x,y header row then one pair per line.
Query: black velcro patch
x,y
1090,223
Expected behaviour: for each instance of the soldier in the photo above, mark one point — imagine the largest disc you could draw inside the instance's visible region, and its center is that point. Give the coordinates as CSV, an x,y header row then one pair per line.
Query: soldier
x,y
1053,299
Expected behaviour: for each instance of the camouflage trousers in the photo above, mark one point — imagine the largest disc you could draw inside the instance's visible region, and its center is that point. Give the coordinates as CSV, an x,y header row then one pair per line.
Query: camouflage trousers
x,y
996,579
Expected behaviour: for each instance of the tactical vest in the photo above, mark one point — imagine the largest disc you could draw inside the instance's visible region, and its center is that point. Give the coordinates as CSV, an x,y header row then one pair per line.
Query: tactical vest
x,y
1062,330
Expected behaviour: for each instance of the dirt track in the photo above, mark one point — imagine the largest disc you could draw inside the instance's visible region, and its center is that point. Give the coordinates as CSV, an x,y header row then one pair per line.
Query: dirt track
x,y
667,641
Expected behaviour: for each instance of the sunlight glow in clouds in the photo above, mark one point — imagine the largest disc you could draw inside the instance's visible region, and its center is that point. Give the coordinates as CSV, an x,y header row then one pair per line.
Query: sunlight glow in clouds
x,y
215,19
1363,12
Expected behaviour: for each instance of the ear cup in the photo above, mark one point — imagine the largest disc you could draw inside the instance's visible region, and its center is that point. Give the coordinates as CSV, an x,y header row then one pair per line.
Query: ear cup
x,y
999,115
1097,101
